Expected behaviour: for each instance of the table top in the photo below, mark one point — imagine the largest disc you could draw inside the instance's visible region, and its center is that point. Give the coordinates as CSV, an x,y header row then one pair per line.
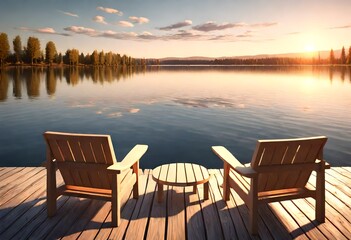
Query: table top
x,y
180,174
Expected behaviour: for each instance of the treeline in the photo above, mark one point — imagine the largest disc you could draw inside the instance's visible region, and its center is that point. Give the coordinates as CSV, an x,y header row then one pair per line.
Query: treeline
x,y
32,54
344,59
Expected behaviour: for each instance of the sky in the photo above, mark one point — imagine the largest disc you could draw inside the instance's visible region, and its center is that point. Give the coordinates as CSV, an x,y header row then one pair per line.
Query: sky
x,y
181,28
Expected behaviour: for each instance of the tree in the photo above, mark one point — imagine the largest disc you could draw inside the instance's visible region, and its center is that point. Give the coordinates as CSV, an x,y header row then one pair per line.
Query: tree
x,y
82,58
331,57
102,58
343,56
50,52
74,57
33,48
4,47
17,48
108,58
95,58
349,56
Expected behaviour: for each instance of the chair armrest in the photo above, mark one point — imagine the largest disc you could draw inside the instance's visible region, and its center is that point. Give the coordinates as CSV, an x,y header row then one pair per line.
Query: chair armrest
x,y
234,163
130,159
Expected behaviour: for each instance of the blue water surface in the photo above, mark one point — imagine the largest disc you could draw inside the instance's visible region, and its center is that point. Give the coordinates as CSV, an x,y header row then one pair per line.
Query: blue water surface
x,y
179,111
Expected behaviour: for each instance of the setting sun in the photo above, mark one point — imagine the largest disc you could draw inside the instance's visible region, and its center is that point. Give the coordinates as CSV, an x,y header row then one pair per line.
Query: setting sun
x,y
309,47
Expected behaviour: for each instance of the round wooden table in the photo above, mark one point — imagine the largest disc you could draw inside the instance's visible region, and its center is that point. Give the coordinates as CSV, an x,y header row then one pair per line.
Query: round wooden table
x,y
182,175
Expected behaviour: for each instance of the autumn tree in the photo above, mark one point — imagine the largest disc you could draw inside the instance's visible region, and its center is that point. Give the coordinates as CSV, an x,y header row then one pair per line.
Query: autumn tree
x,y
50,52
95,58
331,57
73,56
108,58
349,56
102,58
33,48
17,48
4,47
343,56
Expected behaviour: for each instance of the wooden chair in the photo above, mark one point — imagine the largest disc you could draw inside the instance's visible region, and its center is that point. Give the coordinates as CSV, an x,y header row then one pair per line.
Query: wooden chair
x,y
89,169
279,170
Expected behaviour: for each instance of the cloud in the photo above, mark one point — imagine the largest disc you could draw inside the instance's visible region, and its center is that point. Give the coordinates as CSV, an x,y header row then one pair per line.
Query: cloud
x,y
182,35
245,34
110,10
177,25
212,26
341,27
46,30
69,14
139,20
81,30
99,19
263,24
125,24
293,33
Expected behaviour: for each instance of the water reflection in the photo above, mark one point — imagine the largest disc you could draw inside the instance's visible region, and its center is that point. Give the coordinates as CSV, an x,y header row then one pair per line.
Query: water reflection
x,y
17,83
4,85
31,78
33,82
50,82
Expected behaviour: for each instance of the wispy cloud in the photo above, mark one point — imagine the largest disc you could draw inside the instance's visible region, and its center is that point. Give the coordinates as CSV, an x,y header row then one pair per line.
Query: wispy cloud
x,y
177,25
125,24
99,19
110,10
46,30
212,26
82,30
139,20
341,27
246,34
181,35
69,13
293,33
263,24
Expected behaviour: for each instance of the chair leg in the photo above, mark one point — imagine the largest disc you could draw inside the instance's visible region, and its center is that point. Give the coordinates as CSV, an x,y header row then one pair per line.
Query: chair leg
x,y
51,193
115,202
253,206
320,196
226,188
136,184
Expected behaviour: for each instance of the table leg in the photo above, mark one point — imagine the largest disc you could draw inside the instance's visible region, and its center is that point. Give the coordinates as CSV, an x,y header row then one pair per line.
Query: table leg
x,y
195,189
206,190
160,192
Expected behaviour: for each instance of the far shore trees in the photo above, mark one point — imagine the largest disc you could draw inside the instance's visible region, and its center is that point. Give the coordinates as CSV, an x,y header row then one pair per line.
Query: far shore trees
x,y
349,56
33,49
332,57
17,48
343,56
50,52
4,48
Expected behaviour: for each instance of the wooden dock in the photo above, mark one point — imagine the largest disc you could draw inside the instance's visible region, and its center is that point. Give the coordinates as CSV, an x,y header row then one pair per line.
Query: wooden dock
x,y
182,214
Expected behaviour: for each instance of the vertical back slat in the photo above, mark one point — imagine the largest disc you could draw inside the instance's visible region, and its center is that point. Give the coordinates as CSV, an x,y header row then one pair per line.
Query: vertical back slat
x,y
79,157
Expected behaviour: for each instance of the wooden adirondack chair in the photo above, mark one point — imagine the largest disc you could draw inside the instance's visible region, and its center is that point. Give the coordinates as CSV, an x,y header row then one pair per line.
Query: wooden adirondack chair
x,y
279,171
89,168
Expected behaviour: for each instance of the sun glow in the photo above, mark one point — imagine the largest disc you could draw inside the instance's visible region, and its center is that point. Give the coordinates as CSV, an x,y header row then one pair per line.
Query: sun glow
x,y
309,47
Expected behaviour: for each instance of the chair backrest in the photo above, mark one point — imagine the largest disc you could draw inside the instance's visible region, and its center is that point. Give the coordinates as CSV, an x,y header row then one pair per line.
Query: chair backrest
x,y
82,158
285,153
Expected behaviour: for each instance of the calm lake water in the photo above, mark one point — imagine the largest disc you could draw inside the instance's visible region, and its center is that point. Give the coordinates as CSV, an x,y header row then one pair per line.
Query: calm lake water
x,y
180,112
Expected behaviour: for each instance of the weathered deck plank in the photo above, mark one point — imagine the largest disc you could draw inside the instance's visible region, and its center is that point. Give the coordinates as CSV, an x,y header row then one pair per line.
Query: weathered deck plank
x,y
182,214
